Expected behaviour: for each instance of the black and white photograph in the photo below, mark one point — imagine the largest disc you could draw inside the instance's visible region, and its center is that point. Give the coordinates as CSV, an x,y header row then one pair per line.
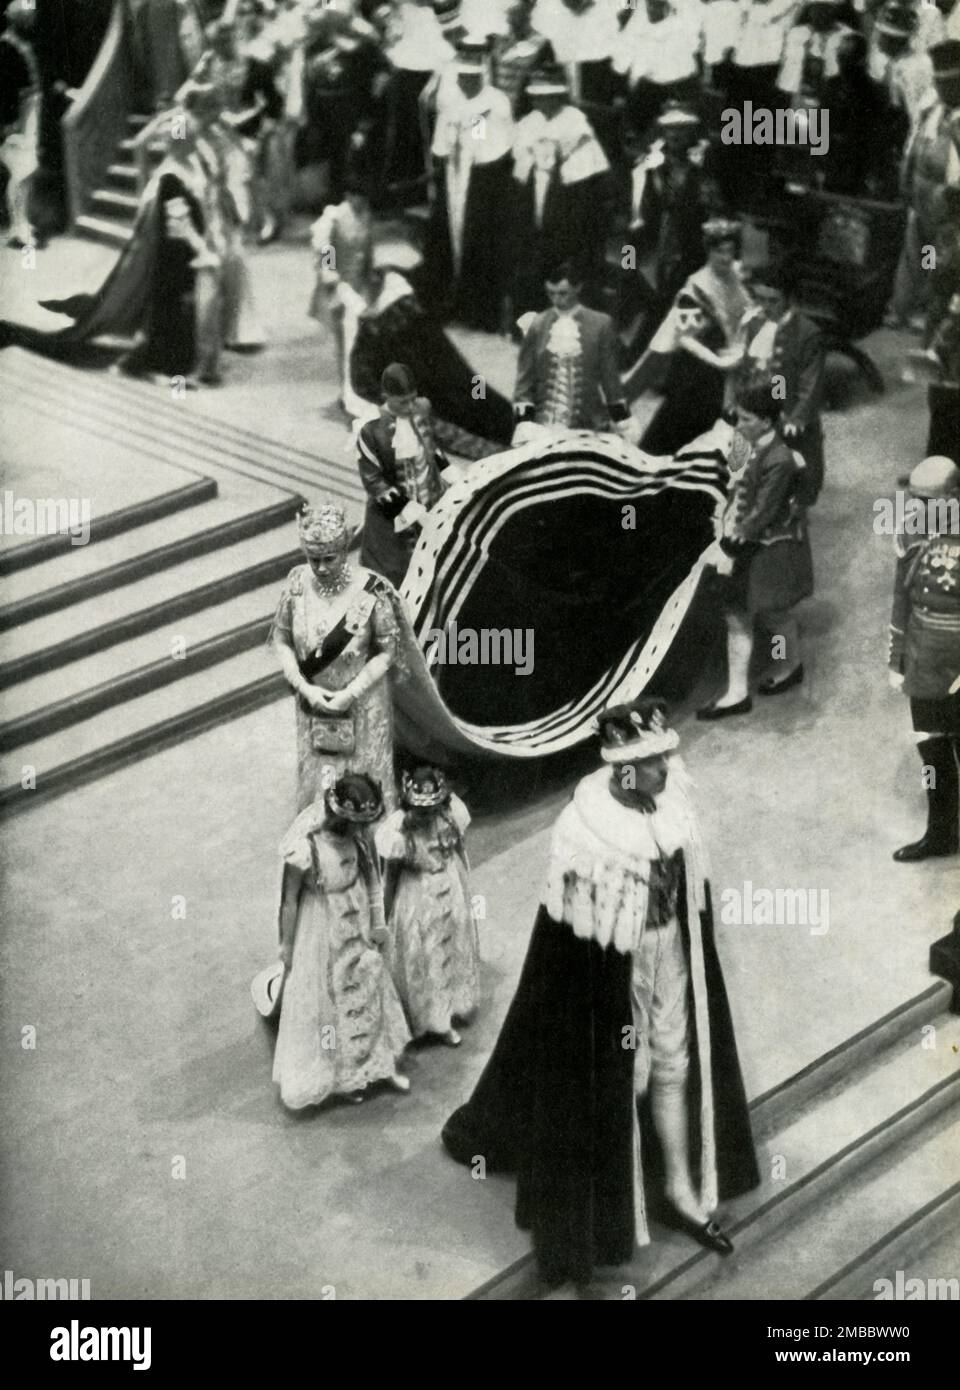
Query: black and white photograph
x,y
480,663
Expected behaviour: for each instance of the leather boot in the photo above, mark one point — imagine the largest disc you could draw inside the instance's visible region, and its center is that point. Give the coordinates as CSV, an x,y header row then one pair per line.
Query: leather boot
x,y
943,804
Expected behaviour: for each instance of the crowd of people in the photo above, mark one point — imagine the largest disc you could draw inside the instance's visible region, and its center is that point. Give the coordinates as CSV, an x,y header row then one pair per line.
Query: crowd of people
x,y
462,150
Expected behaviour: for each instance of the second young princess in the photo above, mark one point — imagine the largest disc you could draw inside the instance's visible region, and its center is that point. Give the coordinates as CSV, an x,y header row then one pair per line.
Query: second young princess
x,y
432,952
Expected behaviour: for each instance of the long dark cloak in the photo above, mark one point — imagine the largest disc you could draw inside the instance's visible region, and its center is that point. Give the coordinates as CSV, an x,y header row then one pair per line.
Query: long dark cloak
x,y
555,1101
137,295
405,332
572,227
475,296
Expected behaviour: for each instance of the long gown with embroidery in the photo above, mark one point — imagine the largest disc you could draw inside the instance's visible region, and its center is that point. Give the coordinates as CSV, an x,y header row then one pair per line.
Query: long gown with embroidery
x,y
433,953
341,1021
304,625
180,308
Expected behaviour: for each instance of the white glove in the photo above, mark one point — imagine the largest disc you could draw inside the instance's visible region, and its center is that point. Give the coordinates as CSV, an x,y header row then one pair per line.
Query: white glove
x,y
629,430
346,295
896,680
526,432
413,514
718,558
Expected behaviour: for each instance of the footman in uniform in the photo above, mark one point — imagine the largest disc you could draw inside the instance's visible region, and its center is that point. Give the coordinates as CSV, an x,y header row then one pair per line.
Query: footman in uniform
x,y
400,467
567,373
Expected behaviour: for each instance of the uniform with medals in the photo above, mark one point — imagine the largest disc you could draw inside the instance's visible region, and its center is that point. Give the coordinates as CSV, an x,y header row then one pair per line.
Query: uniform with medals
x,y
925,649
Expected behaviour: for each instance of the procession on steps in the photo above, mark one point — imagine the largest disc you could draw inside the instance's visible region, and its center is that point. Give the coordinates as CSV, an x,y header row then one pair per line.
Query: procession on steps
x,y
485,407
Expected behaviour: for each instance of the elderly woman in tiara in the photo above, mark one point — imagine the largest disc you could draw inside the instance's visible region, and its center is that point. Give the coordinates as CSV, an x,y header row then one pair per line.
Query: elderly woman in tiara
x,y
433,953
341,1023
335,635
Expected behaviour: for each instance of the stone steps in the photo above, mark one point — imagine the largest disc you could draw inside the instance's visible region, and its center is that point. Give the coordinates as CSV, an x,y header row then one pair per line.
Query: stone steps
x,y
836,1144
925,1245
135,415
69,694
126,559
112,207
789,1265
122,175
155,629
120,522
140,727
103,229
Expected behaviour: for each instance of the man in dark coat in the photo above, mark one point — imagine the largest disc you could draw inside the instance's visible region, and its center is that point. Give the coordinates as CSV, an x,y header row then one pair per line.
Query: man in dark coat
x,y
942,351
788,347
620,1010
670,199
472,160
857,163
560,174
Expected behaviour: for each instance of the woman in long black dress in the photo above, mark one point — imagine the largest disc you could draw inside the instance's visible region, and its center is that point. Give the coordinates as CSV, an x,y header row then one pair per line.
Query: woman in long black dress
x,y
152,292
472,419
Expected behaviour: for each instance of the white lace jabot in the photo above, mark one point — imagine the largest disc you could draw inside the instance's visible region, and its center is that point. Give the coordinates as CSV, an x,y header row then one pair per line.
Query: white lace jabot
x,y
564,337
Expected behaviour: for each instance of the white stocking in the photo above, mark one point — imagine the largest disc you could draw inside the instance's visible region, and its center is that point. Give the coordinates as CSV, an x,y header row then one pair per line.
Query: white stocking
x,y
739,651
669,1106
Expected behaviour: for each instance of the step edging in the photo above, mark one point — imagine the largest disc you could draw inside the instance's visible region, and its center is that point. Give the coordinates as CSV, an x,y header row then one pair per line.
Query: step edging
x,y
130,391
112,757
130,685
147,563
893,1246
929,1001
106,423
793,1094
146,619
823,1178
110,524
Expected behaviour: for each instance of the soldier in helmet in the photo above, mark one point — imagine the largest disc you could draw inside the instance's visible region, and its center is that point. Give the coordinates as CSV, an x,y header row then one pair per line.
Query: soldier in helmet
x,y
925,647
